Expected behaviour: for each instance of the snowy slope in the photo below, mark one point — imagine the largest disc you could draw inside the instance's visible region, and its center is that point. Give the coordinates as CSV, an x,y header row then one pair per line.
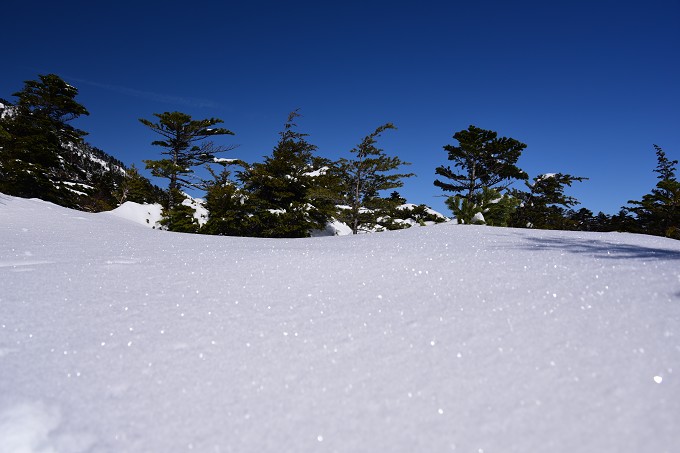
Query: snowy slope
x,y
118,338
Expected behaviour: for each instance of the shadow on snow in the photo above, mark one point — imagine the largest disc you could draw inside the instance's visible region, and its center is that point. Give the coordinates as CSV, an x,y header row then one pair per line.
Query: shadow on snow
x,y
603,249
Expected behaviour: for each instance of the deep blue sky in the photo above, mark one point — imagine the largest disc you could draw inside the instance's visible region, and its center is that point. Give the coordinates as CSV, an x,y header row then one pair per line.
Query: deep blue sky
x,y
589,86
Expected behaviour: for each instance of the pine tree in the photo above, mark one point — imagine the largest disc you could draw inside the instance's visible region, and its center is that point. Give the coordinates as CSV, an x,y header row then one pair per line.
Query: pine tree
x,y
284,192
362,181
180,137
483,161
658,212
36,148
180,134
545,205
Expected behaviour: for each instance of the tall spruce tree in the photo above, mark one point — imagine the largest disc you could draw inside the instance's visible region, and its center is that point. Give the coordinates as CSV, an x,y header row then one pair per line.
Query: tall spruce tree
x,y
37,142
364,178
181,135
284,192
658,212
481,160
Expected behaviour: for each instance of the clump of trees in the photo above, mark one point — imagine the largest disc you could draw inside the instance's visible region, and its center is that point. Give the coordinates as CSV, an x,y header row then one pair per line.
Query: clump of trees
x,y
293,191
658,212
485,167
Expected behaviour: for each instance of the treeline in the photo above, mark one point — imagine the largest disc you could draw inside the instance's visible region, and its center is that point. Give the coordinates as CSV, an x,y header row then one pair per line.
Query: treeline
x,y
291,193
294,190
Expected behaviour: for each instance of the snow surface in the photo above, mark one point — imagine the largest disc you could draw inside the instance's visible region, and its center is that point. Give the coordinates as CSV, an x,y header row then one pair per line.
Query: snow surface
x,y
118,338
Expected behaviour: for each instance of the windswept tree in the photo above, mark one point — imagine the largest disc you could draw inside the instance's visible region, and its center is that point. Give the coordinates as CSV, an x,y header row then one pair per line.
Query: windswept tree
x,y
481,160
180,142
658,212
363,180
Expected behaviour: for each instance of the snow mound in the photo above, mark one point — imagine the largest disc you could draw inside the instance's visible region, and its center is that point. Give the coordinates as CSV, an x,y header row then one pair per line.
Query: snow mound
x,y
33,427
143,214
116,338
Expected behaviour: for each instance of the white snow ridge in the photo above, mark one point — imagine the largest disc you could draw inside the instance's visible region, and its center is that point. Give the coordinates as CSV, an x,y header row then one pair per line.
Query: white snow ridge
x,y
115,337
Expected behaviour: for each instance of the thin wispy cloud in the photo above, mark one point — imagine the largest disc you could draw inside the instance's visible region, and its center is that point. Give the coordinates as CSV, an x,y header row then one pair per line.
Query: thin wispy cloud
x,y
151,96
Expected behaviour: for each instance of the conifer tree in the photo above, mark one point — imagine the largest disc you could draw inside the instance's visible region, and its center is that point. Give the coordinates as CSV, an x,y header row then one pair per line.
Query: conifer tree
x,y
180,135
545,205
484,207
658,212
484,160
481,160
363,178
36,146
226,203
137,188
283,192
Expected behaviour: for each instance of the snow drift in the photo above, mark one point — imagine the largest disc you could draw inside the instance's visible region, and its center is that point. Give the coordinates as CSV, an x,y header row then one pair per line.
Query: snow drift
x,y
115,337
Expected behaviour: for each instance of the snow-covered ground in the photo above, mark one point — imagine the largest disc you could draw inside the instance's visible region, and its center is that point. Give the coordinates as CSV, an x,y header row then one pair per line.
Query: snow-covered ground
x,y
119,338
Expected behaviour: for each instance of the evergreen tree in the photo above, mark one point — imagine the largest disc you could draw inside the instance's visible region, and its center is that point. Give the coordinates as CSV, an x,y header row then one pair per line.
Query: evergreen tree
x,y
180,137
481,161
285,193
180,217
545,205
136,188
180,134
624,222
658,212
484,207
226,203
584,220
484,160
37,143
362,181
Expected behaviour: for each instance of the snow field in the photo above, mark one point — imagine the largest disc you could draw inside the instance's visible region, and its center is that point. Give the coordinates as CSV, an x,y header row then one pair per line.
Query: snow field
x,y
119,338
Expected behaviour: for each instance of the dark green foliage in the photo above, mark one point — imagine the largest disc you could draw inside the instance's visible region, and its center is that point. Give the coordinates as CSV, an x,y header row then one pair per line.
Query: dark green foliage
x,y
36,146
584,220
177,216
545,205
286,194
623,222
226,203
658,212
497,207
134,187
43,156
483,160
180,137
465,209
486,206
363,179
